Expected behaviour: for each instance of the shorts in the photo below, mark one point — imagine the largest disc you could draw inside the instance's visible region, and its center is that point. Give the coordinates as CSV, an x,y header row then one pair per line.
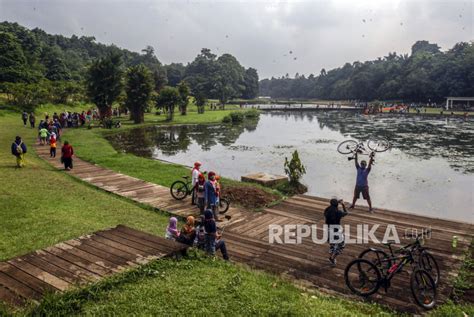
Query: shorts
x,y
362,189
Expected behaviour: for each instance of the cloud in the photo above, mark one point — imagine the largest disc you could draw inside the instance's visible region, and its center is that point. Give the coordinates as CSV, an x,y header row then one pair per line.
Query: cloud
x,y
261,34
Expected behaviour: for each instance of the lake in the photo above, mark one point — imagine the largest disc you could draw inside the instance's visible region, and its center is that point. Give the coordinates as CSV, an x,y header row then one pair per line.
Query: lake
x,y
428,171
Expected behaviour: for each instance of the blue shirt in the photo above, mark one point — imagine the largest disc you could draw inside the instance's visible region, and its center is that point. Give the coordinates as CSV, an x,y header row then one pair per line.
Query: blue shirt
x,y
362,174
210,196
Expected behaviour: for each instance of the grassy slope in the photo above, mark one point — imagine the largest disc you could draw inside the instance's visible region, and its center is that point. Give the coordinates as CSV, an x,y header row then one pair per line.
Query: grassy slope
x,y
40,206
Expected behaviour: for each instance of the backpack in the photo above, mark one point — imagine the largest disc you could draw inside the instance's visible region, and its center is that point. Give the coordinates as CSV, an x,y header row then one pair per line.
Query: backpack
x,y
19,150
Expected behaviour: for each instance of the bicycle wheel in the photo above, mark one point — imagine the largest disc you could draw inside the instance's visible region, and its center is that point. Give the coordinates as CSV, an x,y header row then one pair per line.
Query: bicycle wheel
x,y
378,145
423,289
179,190
427,262
224,205
362,277
378,257
347,147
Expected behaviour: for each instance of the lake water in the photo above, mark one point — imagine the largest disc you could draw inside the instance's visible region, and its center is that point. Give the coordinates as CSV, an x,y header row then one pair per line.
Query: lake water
x,y
428,171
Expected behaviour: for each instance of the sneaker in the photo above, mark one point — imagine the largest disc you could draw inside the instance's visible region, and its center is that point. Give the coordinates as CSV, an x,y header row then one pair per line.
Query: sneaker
x,y
371,210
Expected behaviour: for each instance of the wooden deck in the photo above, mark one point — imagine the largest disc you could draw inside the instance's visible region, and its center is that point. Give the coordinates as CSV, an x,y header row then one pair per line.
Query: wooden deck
x,y
79,261
246,234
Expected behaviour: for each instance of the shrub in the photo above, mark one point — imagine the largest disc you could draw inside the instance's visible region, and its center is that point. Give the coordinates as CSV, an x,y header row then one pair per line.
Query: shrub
x,y
251,113
227,119
294,168
237,117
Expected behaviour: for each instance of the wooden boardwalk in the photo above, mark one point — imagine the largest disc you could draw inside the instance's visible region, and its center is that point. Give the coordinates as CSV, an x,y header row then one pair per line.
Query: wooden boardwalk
x,y
246,234
79,261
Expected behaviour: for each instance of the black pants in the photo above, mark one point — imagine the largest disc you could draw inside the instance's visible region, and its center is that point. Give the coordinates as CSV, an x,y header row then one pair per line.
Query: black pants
x,y
32,124
67,162
52,151
24,121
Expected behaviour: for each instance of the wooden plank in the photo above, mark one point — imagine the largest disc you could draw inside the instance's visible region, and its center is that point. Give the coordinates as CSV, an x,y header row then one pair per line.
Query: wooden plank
x,y
89,266
40,274
134,252
116,260
54,270
165,249
127,257
11,298
140,248
152,238
19,288
89,257
38,285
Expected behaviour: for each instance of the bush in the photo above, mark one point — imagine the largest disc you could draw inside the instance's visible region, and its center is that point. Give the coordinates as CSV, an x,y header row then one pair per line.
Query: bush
x,y
294,168
252,113
227,119
237,117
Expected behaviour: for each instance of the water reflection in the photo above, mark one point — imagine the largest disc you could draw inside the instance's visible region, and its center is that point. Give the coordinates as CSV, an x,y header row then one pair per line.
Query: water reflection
x,y
422,137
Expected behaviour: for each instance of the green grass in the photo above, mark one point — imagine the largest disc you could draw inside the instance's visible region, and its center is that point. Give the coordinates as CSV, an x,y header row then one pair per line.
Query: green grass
x,y
40,206
199,286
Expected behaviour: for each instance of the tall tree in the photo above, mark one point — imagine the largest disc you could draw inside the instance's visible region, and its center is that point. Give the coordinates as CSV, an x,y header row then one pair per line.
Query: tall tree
x,y
175,73
229,79
104,83
251,84
167,99
139,88
184,92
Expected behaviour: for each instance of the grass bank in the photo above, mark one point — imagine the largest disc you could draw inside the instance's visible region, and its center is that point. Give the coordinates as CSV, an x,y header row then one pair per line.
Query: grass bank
x,y
198,286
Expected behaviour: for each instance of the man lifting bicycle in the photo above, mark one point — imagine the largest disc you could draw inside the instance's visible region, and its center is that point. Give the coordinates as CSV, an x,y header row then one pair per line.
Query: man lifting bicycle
x,y
362,185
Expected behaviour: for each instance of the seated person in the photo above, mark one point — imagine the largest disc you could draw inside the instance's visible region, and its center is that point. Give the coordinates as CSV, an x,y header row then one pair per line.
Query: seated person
x,y
212,240
172,232
188,232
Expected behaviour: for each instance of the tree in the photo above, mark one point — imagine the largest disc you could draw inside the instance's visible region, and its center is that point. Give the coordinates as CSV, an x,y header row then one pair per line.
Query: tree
x,y
229,79
175,73
424,47
251,84
160,79
104,83
13,66
139,88
184,91
167,99
53,61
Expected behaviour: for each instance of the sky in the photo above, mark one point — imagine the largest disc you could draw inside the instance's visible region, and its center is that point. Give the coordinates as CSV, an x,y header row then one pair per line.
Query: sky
x,y
275,37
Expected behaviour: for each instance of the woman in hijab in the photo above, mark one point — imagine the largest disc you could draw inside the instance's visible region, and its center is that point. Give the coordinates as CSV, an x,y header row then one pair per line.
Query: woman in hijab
x,y
188,232
172,232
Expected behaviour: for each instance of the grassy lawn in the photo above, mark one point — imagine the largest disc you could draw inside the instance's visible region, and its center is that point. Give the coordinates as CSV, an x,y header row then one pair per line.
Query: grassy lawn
x,y
40,206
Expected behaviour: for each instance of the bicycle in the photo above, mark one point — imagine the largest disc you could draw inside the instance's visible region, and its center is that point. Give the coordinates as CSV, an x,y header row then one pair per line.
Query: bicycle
x,y
353,147
364,278
181,189
423,258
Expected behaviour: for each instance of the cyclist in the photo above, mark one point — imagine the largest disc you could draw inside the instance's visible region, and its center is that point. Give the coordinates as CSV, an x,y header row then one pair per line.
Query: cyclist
x,y
194,179
333,218
362,185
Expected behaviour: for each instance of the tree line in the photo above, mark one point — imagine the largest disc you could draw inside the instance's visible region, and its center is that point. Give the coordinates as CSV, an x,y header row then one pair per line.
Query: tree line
x,y
37,67
427,74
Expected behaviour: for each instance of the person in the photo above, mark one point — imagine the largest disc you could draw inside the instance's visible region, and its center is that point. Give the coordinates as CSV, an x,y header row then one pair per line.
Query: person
x,y
217,185
362,185
172,232
24,117
43,133
52,145
213,240
32,119
188,232
19,151
194,178
200,193
66,155
333,217
210,195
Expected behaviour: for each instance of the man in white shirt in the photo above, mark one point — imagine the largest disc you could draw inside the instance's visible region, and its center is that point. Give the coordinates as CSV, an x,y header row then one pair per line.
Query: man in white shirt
x,y
194,179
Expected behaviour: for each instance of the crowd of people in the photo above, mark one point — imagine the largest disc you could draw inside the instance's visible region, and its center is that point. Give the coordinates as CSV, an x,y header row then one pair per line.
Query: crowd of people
x,y
49,133
206,195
